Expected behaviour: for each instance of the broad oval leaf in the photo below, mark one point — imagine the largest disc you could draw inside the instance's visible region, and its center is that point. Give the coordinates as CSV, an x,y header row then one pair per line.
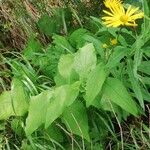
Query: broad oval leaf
x,y
19,97
76,38
65,65
75,119
54,132
37,111
6,109
63,96
94,83
62,43
115,91
85,60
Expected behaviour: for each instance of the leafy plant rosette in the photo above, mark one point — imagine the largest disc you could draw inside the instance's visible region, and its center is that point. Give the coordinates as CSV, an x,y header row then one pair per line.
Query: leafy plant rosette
x,y
83,78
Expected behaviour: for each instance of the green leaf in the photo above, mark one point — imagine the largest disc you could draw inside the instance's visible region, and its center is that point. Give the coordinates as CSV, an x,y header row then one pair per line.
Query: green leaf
x,y
145,80
75,119
65,65
63,96
106,105
144,67
60,17
137,54
37,111
62,43
115,91
85,60
26,146
146,8
146,94
48,25
122,41
146,49
6,109
135,85
13,102
55,133
56,106
33,47
59,80
76,38
48,61
72,93
16,126
119,53
19,97
94,83
96,42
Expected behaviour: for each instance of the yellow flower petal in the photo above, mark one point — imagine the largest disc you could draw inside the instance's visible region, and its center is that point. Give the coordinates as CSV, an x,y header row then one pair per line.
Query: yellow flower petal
x,y
108,13
137,16
131,11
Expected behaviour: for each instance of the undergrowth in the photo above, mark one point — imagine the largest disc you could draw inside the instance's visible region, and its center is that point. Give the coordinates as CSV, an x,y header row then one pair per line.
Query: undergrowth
x,y
70,82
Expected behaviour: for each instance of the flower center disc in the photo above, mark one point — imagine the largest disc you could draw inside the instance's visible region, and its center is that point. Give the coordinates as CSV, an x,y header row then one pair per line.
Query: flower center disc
x,y
124,19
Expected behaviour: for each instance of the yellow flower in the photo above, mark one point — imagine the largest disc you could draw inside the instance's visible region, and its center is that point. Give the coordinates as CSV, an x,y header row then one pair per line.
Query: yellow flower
x,y
118,16
105,45
113,41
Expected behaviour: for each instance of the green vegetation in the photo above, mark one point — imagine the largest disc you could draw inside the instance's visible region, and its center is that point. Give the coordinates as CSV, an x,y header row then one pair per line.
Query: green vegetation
x,y
69,82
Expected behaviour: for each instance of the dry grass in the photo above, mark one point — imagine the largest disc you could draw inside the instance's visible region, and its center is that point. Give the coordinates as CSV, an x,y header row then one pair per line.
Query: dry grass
x,y
19,18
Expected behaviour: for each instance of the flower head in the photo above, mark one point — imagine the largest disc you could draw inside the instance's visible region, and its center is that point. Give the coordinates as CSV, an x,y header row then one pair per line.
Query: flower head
x,y
117,15
113,41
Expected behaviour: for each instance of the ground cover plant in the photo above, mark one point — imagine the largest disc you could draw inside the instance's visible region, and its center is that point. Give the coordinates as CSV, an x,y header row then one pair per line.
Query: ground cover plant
x,y
80,82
